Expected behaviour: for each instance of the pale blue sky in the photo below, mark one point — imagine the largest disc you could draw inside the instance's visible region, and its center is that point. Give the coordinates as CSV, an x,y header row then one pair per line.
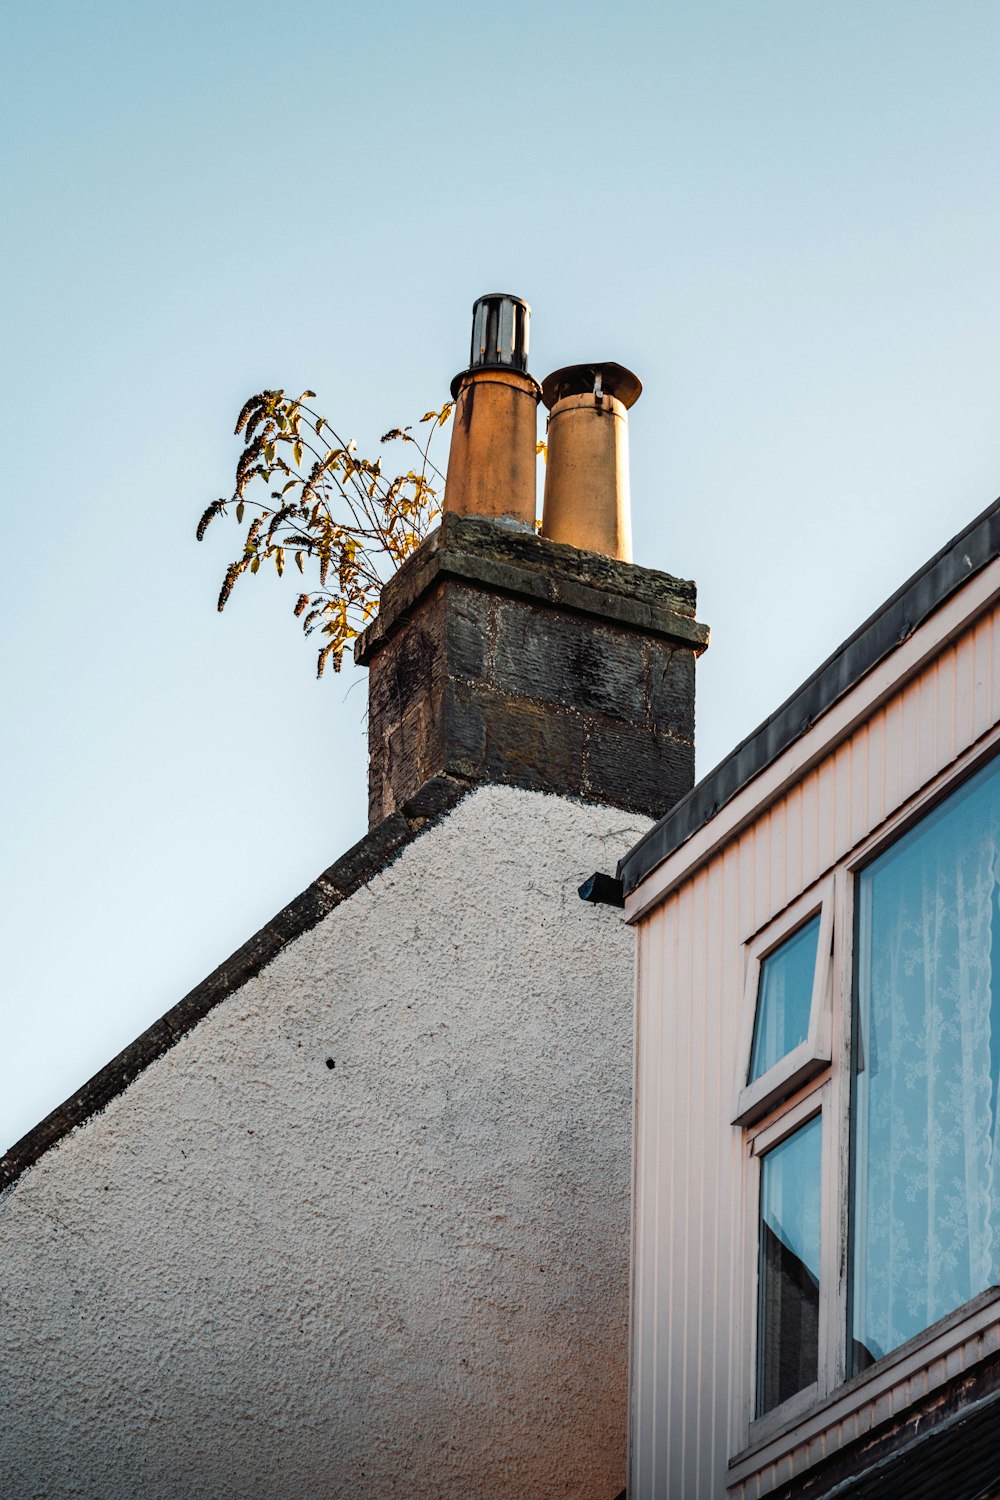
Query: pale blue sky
x,y
784,215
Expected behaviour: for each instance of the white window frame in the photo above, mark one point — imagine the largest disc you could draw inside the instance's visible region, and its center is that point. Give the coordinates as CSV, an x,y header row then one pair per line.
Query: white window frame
x,y
795,1425
810,1105
811,1056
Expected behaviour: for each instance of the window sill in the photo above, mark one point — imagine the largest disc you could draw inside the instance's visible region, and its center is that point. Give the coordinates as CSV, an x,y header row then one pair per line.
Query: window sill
x,y
781,1081
883,1391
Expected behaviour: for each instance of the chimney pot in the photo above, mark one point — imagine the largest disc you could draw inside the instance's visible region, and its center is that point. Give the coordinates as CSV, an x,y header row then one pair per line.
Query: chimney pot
x,y
586,500
492,463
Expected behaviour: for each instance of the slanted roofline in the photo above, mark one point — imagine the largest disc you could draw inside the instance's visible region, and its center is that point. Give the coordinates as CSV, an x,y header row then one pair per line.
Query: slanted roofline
x,y
963,557
372,854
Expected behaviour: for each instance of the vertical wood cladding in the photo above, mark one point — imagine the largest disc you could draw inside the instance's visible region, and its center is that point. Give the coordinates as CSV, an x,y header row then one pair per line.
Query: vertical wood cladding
x,y
693,1307
501,657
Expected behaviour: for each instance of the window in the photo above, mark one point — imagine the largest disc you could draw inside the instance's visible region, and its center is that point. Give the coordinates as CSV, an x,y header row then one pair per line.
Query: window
x,y
789,1261
786,1035
784,1001
885,1142
925,1209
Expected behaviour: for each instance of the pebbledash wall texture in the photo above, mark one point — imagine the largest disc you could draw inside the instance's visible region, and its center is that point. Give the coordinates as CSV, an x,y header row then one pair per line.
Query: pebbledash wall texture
x,y
257,1274
354,1217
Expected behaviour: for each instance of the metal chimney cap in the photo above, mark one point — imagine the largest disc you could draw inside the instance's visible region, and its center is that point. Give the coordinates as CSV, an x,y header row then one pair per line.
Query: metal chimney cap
x,y
500,324
500,297
581,380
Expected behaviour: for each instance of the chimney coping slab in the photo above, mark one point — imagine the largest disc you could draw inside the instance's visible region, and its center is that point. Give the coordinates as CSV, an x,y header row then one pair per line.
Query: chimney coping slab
x,y
503,559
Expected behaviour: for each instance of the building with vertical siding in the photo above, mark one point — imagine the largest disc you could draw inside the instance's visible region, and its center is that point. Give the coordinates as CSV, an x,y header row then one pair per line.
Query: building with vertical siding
x,y
816,1215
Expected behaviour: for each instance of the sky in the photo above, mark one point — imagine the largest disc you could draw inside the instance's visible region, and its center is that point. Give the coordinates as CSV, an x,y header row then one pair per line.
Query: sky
x,y
784,215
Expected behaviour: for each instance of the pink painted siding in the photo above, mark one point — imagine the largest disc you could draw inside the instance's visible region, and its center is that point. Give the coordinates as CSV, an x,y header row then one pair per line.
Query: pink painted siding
x,y
691,1315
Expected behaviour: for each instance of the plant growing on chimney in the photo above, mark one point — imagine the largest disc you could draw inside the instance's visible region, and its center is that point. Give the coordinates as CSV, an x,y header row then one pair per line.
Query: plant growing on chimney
x,y
333,513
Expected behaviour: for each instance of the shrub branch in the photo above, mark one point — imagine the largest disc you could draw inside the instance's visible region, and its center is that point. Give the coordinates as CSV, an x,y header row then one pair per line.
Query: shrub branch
x,y
337,516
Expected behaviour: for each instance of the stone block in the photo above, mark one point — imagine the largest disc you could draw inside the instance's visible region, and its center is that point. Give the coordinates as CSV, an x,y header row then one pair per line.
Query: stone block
x,y
434,797
671,689
569,659
463,730
635,767
532,746
409,667
467,629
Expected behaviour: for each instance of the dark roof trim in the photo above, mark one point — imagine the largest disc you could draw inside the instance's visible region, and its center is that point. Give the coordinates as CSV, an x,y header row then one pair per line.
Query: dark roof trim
x,y
880,634
356,868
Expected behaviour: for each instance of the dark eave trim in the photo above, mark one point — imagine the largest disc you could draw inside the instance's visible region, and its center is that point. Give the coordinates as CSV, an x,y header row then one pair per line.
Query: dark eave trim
x,y
372,854
945,573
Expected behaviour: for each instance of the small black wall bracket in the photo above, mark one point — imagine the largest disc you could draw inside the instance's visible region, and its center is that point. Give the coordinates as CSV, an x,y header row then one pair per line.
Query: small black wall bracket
x,y
603,890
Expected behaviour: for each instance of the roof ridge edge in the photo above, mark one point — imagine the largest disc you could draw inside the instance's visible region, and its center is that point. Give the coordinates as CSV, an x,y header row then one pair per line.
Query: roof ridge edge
x,y
372,854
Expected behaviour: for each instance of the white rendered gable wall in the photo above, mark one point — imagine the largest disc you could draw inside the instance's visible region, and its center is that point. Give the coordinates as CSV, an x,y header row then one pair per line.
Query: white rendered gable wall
x,y
257,1275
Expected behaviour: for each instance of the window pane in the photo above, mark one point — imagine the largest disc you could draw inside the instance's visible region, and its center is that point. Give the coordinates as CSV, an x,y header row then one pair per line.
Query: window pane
x,y
788,1300
784,999
926,1167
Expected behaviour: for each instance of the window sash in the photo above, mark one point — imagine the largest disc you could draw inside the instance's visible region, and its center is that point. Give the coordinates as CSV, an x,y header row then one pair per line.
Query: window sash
x,y
755,1099
924,1205
789,1266
815,1102
785,984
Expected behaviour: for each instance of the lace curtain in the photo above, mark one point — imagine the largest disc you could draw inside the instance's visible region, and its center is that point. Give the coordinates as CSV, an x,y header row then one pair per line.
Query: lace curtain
x,y
926,1227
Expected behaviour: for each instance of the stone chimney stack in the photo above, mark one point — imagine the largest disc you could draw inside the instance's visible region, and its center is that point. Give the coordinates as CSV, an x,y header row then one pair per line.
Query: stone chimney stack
x,y
502,656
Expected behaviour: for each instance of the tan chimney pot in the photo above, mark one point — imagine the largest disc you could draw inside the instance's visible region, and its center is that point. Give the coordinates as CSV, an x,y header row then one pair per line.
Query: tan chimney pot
x,y
586,500
493,460
492,463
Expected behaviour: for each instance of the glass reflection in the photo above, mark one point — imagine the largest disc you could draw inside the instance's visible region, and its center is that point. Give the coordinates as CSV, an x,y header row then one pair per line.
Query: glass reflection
x,y
788,1297
784,999
925,1126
